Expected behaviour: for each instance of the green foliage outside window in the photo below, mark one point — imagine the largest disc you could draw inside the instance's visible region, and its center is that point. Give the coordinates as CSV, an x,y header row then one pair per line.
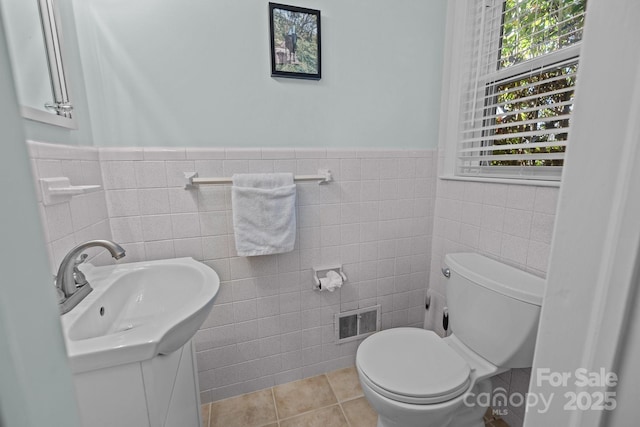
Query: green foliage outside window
x,y
534,101
531,28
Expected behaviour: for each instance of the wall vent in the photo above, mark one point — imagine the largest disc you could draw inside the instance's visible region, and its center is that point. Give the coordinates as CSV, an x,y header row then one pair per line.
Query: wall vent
x,y
357,324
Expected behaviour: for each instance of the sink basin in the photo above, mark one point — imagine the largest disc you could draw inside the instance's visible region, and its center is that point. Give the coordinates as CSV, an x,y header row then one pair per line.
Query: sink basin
x,y
137,311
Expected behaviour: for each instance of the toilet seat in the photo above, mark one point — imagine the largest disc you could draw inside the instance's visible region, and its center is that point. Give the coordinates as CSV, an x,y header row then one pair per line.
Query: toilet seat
x,y
412,365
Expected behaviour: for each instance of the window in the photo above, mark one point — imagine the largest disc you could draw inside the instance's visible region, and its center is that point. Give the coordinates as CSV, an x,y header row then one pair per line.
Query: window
x,y
521,72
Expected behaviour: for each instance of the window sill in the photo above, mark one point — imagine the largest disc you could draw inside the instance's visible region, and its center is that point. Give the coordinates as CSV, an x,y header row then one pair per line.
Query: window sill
x,y
530,182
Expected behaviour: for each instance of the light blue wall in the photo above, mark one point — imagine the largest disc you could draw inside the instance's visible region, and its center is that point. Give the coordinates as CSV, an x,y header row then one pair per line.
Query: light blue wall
x,y
197,73
35,385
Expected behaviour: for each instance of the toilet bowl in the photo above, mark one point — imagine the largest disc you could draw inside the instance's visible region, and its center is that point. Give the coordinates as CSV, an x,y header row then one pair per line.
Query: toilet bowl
x,y
414,378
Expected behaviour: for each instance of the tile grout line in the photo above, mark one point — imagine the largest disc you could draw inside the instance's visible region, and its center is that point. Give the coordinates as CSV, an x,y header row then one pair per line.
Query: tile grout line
x,y
209,415
338,400
275,405
310,411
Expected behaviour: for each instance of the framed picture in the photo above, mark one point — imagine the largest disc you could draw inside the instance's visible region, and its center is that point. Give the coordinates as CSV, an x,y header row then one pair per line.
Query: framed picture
x,y
295,42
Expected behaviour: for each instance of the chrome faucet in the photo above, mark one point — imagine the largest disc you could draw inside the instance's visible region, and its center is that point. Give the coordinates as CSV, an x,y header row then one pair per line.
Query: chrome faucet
x,y
70,281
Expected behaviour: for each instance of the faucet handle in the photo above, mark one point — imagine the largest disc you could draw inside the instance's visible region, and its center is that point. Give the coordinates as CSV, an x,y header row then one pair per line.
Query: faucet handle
x,y
78,275
59,294
82,258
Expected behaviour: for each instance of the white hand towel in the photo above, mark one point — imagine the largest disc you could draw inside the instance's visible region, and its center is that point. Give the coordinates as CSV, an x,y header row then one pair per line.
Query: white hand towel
x,y
264,214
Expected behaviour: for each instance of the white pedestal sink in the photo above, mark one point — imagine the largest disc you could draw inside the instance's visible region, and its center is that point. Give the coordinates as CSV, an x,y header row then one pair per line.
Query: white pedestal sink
x,y
129,342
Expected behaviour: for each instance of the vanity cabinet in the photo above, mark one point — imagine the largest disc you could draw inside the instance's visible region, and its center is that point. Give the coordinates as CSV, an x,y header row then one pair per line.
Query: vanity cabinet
x,y
160,392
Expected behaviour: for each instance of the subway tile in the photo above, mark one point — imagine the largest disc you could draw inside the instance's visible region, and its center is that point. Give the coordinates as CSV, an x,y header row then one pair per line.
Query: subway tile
x,y
244,289
278,153
329,214
242,153
135,251
521,197
514,249
205,153
542,226
154,201
91,172
490,242
269,326
175,171
260,166
59,223
185,225
161,249
183,201
126,229
48,168
122,203
284,165
215,247
231,167
288,282
213,223
342,153
244,310
268,306
150,174
191,247
546,200
495,194
72,169
310,153
538,255
209,168
160,153
246,331
492,217
156,227
369,169
517,223
350,169
119,175
211,199
120,153
406,168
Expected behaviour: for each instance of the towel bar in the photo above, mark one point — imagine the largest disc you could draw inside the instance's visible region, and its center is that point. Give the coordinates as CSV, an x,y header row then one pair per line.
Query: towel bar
x,y
192,180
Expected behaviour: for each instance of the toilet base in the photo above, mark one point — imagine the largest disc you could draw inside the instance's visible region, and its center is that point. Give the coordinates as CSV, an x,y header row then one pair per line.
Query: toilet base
x,y
463,416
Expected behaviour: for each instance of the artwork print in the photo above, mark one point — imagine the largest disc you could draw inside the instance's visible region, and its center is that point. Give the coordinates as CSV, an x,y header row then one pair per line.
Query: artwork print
x,y
295,42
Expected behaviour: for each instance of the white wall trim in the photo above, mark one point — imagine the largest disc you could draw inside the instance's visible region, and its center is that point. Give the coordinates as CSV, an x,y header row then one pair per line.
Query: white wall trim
x,y
530,182
594,257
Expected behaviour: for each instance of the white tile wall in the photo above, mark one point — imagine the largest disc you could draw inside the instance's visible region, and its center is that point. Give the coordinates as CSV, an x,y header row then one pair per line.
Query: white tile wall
x,y
382,218
510,223
267,325
85,216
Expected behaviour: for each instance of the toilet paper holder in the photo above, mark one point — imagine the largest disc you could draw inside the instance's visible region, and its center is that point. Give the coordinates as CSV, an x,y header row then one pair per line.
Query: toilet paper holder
x,y
319,273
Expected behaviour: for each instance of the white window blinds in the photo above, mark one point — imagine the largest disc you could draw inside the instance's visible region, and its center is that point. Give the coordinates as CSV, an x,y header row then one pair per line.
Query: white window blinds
x,y
522,60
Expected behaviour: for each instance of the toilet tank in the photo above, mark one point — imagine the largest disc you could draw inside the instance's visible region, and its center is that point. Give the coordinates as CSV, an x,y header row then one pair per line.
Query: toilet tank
x,y
494,308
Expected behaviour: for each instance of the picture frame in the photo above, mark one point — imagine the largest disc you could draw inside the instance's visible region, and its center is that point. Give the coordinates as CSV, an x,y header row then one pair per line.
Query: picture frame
x,y
295,42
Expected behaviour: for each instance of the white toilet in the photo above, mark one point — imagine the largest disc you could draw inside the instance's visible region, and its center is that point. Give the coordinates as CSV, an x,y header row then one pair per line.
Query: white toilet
x,y
414,378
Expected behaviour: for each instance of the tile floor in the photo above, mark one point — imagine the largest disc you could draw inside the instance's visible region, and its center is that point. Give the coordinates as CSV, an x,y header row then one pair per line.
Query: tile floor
x,y
330,400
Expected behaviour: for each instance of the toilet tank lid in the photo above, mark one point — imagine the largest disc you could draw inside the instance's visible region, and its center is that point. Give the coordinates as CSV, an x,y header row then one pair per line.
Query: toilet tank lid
x,y
497,276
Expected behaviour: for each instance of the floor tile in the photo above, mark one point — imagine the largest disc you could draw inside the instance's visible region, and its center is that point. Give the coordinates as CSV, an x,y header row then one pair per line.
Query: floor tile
x,y
205,414
249,410
360,413
345,383
326,417
302,396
